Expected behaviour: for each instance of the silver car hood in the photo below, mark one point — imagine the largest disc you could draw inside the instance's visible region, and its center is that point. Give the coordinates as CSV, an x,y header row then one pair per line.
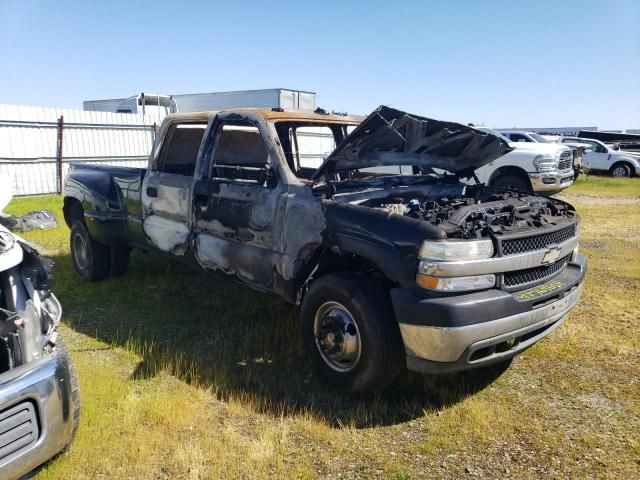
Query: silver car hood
x,y
390,137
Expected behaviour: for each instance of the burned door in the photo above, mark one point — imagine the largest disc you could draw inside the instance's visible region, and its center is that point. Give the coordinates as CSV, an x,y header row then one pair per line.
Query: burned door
x,y
168,185
238,204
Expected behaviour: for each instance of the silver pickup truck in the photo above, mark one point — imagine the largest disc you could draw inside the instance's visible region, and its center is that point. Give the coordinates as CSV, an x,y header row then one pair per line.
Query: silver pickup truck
x,y
39,390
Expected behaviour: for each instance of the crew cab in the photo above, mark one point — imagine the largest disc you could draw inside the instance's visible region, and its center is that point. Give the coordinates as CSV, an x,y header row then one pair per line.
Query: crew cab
x,y
391,258
600,157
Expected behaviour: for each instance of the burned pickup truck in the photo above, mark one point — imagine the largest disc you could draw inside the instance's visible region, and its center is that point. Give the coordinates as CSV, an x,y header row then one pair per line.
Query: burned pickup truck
x,y
392,259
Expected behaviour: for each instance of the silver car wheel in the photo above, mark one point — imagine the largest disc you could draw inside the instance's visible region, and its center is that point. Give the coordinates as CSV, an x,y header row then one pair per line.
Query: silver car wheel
x,y
337,337
620,171
80,251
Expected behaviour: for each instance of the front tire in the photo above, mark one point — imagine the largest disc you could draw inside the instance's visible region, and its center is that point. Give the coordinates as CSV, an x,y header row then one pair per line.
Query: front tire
x,y
76,400
119,261
350,332
620,170
511,182
91,259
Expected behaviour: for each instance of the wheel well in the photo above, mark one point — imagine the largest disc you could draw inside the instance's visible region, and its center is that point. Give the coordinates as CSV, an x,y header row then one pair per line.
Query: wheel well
x,y
632,169
326,261
72,210
510,171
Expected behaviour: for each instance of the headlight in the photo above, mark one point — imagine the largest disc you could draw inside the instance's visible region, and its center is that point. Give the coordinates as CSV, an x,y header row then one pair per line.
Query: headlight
x,y
451,251
456,284
432,252
545,162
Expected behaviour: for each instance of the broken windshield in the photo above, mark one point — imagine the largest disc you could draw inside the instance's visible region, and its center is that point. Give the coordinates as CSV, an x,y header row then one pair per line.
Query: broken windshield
x,y
306,146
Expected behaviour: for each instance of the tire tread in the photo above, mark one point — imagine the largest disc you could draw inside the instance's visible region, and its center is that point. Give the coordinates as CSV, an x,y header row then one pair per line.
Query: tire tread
x,y
371,304
98,255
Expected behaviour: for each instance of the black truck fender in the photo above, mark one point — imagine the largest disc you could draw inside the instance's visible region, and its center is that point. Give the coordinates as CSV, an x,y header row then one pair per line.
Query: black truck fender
x,y
361,239
93,196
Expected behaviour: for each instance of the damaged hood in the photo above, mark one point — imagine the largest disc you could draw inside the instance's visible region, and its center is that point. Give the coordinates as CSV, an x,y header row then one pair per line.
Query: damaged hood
x,y
390,137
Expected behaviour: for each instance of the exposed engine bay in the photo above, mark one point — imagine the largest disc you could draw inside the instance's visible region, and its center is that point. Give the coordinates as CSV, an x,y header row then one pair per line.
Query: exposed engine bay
x,y
479,212
29,312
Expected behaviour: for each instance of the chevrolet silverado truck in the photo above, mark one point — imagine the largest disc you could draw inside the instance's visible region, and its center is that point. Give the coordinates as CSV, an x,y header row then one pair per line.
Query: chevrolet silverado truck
x,y
39,390
405,268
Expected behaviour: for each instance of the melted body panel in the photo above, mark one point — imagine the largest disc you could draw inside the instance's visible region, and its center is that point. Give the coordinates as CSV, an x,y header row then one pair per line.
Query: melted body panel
x,y
167,214
238,223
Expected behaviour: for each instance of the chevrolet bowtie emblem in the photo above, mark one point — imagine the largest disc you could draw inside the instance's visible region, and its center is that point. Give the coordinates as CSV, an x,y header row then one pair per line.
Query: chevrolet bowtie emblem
x,y
551,255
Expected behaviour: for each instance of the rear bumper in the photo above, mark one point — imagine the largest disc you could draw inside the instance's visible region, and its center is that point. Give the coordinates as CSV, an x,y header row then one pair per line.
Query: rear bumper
x,y
460,332
46,385
551,181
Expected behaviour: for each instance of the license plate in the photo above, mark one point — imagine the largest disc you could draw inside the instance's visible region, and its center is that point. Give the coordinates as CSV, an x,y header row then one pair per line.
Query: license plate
x,y
540,290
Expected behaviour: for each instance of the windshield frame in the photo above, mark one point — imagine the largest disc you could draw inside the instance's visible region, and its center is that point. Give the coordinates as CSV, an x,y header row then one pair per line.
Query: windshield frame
x,y
291,151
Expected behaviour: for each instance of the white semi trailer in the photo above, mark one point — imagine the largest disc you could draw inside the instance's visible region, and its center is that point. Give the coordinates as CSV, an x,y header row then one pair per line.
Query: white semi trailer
x,y
155,104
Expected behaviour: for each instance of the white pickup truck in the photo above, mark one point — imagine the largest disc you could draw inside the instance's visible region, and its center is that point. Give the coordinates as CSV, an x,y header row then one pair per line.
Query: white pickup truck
x,y
600,157
521,136
542,167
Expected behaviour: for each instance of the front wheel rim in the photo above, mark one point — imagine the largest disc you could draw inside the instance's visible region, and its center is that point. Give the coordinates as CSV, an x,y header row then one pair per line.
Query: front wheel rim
x,y
619,172
337,337
80,252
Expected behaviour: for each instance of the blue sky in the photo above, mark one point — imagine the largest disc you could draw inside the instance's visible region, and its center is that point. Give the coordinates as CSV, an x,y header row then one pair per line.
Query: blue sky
x,y
536,63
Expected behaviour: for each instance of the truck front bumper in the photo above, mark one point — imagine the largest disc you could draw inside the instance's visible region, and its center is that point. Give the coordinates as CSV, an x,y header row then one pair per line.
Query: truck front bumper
x,y
460,332
551,181
37,413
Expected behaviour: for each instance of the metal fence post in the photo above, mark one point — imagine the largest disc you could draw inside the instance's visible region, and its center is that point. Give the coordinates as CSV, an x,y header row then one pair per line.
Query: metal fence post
x,y
60,169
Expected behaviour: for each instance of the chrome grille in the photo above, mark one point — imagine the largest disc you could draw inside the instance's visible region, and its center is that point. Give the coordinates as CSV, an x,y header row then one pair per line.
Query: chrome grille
x,y
566,160
18,430
564,164
536,274
537,242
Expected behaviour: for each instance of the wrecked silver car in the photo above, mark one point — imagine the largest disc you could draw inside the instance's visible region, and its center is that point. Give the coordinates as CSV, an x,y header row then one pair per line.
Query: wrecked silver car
x,y
39,390
392,259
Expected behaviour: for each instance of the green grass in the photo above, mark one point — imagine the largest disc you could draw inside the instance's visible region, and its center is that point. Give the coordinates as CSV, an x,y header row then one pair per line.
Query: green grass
x,y
603,186
187,375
